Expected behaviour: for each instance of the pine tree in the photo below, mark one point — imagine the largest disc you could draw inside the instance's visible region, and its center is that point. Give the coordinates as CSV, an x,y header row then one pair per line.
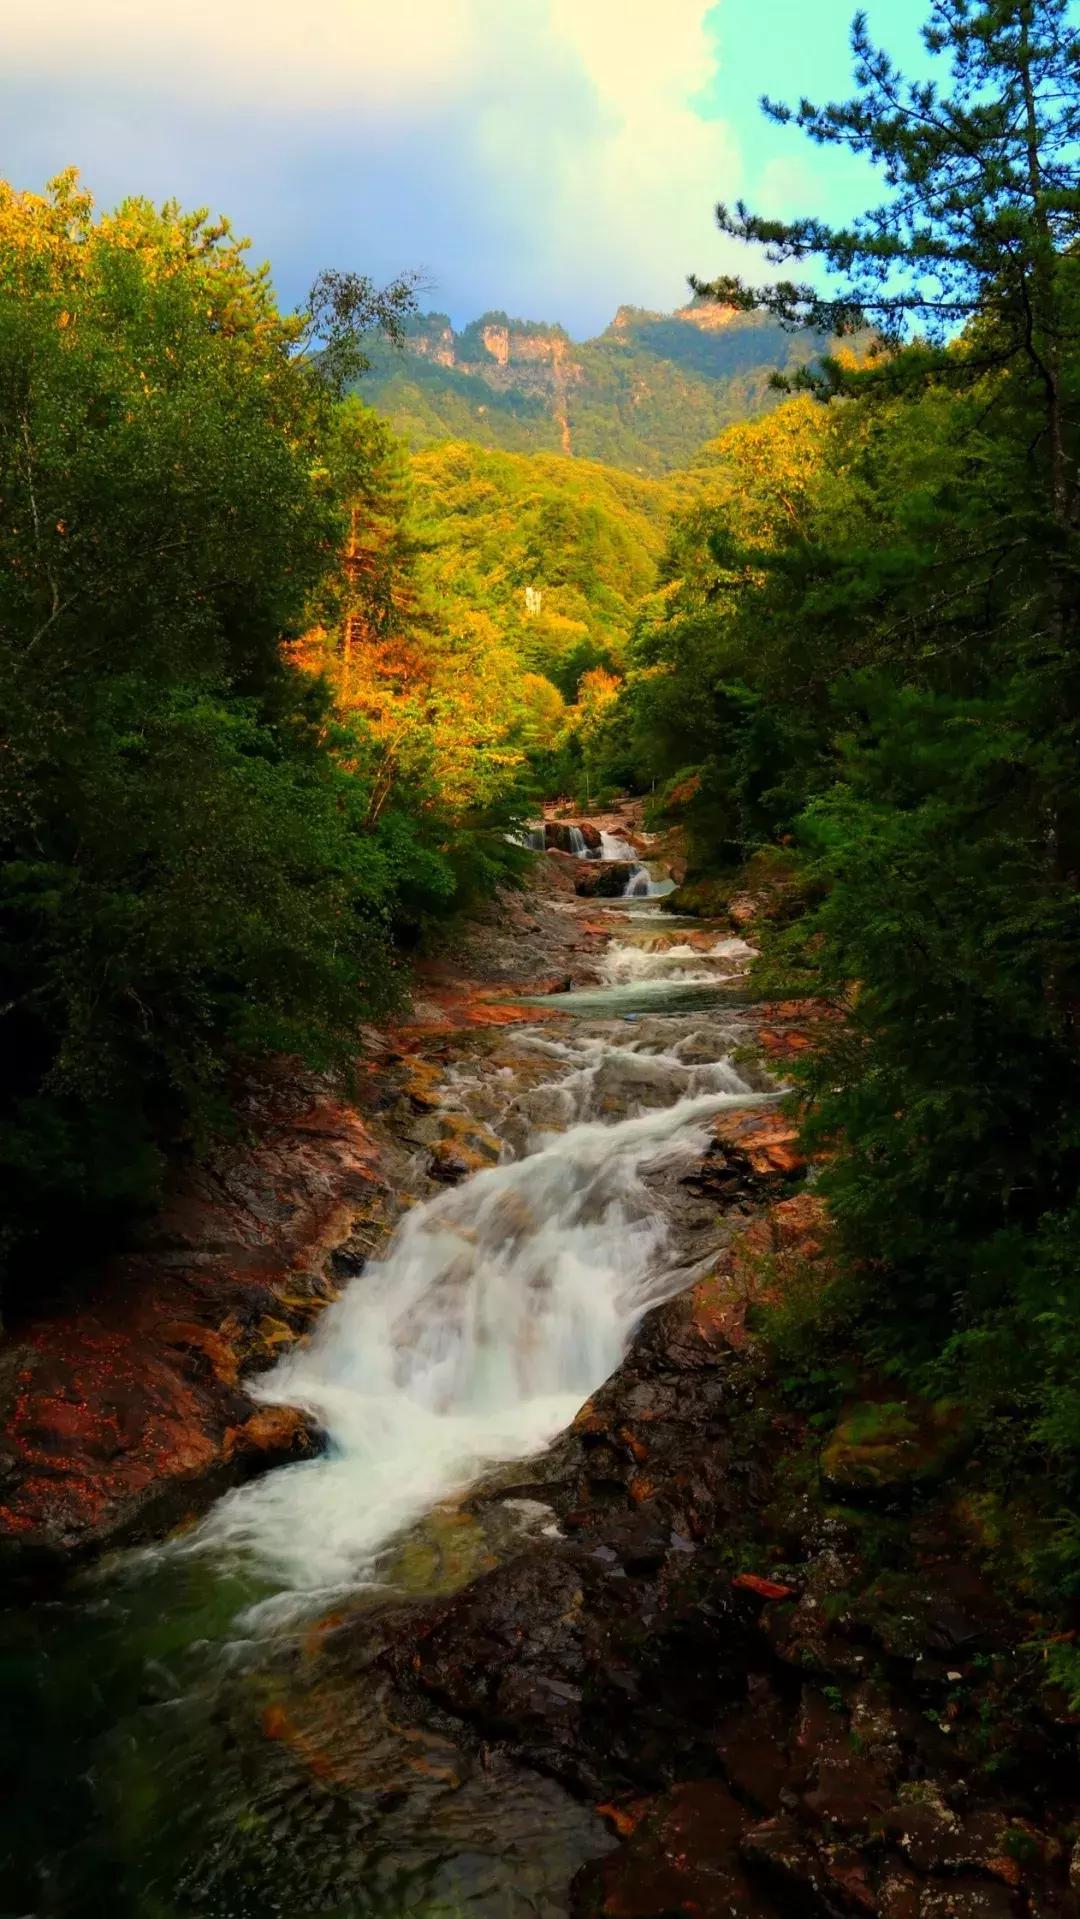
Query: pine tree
x,y
981,216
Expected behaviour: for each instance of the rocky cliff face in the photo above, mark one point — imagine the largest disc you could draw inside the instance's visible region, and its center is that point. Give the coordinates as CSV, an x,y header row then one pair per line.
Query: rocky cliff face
x,y
644,395
503,352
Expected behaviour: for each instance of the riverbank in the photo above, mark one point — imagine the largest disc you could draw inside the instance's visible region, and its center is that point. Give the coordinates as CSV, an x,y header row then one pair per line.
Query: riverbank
x,y
125,1412
573,1611
624,1073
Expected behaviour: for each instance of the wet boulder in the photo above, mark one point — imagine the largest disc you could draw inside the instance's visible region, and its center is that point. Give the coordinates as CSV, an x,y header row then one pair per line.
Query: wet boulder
x,y
682,1857
571,836
608,881
465,1146
805,1874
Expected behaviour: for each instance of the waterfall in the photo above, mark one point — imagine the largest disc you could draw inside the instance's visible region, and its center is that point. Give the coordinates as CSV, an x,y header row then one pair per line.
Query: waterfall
x,y
642,886
535,839
614,848
499,1307
625,965
577,842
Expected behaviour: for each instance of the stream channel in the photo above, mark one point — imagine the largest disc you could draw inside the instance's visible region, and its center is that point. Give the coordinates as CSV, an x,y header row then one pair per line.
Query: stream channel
x,y
172,1745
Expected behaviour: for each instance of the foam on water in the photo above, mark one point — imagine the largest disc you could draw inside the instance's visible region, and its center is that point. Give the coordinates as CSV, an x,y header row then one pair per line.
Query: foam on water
x,y
634,965
614,848
499,1307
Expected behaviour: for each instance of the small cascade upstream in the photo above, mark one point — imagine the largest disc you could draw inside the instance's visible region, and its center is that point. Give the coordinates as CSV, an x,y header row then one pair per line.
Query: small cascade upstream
x,y
684,964
614,848
642,885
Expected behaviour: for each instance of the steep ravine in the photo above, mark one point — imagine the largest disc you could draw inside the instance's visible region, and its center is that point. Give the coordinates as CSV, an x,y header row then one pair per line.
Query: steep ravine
x,y
544,1151
554,1618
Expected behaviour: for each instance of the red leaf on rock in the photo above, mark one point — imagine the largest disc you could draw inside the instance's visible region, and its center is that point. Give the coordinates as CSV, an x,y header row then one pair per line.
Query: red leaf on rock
x,y
765,1588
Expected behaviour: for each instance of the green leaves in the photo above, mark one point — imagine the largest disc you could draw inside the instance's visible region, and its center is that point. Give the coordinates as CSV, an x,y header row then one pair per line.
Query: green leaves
x,y
869,647
188,875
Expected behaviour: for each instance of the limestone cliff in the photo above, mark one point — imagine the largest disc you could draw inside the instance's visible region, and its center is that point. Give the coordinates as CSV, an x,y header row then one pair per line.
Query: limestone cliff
x,y
643,395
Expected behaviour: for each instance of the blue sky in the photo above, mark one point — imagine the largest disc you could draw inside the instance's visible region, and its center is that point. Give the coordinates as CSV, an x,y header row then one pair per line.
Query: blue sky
x,y
553,157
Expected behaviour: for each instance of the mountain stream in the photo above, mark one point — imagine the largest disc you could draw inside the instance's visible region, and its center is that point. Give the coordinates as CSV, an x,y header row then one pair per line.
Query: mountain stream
x,y
155,1770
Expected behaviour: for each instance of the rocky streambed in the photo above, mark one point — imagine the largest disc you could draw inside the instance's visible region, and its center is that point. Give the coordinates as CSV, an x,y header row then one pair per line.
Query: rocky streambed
x,y
551,1612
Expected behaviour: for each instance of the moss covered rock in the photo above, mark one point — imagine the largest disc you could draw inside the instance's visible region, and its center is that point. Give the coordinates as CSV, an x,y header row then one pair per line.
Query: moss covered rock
x,y
702,898
882,1446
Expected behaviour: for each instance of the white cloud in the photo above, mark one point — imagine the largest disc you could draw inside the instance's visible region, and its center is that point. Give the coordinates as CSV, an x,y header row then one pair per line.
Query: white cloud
x,y
631,193
561,133
373,53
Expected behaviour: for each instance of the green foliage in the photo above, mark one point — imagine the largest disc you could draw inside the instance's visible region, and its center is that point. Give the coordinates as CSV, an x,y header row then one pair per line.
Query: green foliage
x,y
865,645
188,873
560,552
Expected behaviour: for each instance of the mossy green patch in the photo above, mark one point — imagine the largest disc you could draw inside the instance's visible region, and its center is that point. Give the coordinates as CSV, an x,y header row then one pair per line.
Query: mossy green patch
x,y
886,1445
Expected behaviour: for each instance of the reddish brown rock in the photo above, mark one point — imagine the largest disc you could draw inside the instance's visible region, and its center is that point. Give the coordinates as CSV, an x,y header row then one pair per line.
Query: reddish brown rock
x,y
609,880
753,1746
778,1249
450,1009
769,1141
682,1858
808,1876
935,1839
789,1237
793,1027
122,1412
846,1787
465,1147
558,834
764,1588
904,1897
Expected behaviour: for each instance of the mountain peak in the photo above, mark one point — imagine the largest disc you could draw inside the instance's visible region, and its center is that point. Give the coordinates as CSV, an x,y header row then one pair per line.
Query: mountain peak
x,y
644,395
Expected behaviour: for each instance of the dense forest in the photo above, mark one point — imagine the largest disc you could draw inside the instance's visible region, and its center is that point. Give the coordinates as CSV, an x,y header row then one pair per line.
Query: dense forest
x,y
278,694
207,856
861,674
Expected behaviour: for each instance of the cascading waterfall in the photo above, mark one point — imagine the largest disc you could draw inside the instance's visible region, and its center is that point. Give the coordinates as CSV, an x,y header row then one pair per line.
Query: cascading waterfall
x,y
577,842
625,965
614,848
649,1077
499,1307
642,886
224,1755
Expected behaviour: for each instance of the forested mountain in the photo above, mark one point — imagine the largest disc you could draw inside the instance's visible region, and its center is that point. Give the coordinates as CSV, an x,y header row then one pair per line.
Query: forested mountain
x,y
643,395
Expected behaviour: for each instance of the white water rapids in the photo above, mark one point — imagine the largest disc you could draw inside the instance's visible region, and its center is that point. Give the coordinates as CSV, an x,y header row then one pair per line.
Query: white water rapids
x,y
499,1306
641,885
688,965
614,848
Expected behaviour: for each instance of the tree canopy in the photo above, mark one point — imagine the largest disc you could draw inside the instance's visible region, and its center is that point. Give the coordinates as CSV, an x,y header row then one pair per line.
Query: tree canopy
x,y
193,869
864,660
